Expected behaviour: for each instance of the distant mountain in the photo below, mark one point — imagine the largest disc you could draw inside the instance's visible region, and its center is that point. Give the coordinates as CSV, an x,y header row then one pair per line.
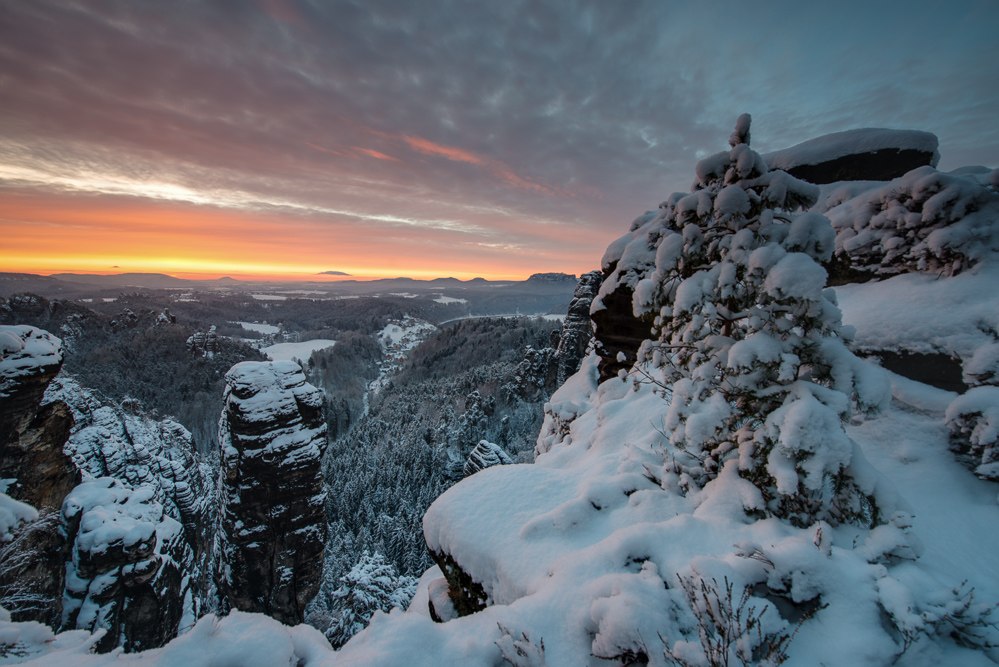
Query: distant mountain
x,y
151,280
553,278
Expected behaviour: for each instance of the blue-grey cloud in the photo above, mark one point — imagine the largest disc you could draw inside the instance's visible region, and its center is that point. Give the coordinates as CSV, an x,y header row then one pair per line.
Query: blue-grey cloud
x,y
561,113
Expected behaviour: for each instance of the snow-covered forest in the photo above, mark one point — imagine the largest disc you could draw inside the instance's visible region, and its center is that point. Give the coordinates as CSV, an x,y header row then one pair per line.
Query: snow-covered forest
x,y
780,447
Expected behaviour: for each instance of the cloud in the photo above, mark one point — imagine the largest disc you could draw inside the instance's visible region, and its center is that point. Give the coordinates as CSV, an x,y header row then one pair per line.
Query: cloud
x,y
332,273
516,123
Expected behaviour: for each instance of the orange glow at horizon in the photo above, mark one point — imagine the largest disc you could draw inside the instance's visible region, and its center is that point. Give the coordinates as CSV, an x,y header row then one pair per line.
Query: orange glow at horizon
x,y
65,234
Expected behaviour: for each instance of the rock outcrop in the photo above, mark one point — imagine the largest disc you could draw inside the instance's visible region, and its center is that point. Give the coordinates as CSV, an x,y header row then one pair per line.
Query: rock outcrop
x,y
203,343
272,525
617,331
485,455
32,436
125,574
867,154
124,442
577,329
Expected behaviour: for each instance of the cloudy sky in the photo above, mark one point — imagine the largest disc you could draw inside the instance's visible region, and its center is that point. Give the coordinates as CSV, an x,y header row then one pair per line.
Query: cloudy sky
x,y
434,138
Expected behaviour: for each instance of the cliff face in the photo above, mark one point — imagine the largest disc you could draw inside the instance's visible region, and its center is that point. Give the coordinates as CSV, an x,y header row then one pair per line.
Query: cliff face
x,y
31,440
272,525
31,454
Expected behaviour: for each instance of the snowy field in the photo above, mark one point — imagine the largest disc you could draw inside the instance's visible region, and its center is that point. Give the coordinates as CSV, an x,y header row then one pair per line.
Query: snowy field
x,y
302,351
262,328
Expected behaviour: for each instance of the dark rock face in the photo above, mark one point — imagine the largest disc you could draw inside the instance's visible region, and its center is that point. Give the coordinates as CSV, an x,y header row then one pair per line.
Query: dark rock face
x,y
272,525
857,155
44,473
124,574
937,370
29,359
618,332
31,452
485,455
577,330
882,165
31,435
467,595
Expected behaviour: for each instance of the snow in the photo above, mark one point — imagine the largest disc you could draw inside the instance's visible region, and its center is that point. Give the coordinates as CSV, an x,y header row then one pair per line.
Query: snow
x,y
839,144
406,333
449,299
262,328
269,297
290,351
12,514
24,350
923,313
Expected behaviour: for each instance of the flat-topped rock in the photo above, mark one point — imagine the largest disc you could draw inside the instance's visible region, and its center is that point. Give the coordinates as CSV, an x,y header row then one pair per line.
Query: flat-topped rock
x,y
868,154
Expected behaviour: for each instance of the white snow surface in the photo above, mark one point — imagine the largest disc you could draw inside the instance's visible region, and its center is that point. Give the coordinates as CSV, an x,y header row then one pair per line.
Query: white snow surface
x,y
23,351
406,333
262,328
839,144
449,299
289,351
922,313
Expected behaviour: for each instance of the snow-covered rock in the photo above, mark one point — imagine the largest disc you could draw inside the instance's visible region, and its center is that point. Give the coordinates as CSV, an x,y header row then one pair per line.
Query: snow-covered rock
x,y
577,329
272,527
485,455
126,572
868,154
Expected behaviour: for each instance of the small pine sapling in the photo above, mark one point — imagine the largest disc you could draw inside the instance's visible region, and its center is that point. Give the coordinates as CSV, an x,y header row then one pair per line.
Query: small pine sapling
x,y
751,342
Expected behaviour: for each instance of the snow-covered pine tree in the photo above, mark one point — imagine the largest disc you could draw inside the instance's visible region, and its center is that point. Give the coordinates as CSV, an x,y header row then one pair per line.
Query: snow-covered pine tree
x,y
751,343
371,585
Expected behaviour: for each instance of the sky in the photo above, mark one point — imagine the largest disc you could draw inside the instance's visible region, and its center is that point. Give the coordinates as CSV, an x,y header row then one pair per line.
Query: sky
x,y
287,139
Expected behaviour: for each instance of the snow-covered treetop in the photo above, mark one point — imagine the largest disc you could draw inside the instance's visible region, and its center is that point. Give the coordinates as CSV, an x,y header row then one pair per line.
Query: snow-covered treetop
x,y
839,144
23,351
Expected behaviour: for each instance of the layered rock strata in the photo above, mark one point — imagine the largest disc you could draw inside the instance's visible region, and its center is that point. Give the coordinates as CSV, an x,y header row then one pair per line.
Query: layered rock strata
x,y
577,330
272,527
485,455
32,436
125,575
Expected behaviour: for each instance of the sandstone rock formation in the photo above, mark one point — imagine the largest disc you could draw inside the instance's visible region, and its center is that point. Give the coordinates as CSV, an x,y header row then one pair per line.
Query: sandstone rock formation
x,y
485,455
125,574
577,329
272,525
124,442
31,455
202,343
867,154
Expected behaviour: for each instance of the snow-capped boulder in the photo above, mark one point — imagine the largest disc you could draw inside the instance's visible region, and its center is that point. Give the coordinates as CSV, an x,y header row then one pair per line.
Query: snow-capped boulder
x,y
868,154
485,455
272,525
125,574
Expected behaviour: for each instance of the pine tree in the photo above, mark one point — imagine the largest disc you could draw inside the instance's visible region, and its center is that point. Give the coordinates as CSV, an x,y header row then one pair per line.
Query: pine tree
x,y
751,344
371,585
